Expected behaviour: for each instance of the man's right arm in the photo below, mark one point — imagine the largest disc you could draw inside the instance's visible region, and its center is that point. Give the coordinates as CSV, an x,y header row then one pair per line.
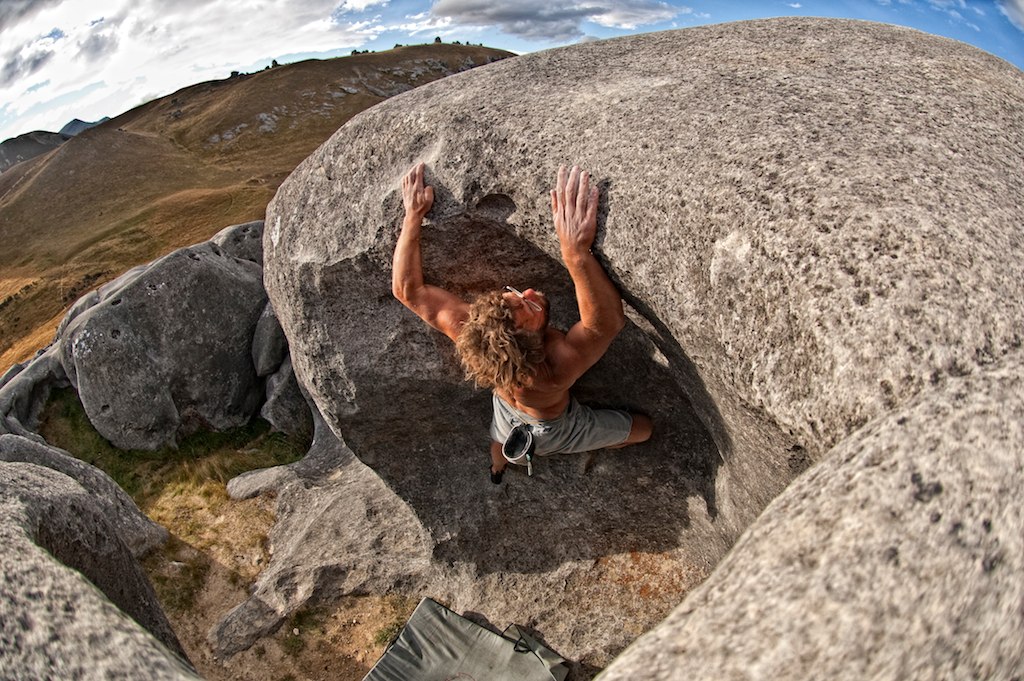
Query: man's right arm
x,y
574,209
441,309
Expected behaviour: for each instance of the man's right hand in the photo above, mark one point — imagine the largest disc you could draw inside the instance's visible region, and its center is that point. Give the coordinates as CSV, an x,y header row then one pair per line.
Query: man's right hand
x,y
574,209
417,198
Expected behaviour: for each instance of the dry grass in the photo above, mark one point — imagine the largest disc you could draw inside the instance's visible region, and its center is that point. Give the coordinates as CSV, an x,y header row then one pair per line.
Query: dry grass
x,y
218,547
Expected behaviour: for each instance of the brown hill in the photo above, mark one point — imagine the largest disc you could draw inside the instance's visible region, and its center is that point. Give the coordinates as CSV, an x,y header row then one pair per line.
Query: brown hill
x,y
29,145
176,170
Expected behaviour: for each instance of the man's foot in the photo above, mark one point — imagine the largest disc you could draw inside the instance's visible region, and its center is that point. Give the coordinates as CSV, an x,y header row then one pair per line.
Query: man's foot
x,y
496,477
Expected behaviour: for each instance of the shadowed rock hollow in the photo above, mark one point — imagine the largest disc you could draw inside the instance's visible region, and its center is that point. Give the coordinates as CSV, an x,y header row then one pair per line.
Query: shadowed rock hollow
x,y
816,224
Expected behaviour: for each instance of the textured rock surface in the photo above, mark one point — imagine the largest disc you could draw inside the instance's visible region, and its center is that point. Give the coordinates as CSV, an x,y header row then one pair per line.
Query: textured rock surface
x,y
269,346
25,390
286,408
922,507
356,516
815,222
244,241
165,349
137,531
74,603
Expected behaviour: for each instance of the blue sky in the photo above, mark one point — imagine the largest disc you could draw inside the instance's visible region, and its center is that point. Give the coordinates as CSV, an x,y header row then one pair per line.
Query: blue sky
x,y
65,59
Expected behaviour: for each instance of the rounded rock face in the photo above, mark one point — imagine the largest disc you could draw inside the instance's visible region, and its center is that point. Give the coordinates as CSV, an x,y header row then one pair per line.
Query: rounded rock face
x,y
165,349
815,223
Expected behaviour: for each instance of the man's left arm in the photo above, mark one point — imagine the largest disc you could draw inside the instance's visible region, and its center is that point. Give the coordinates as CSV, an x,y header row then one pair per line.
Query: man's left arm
x,y
442,309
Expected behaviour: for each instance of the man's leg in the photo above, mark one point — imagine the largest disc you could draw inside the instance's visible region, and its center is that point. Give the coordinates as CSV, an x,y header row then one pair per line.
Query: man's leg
x,y
498,462
639,432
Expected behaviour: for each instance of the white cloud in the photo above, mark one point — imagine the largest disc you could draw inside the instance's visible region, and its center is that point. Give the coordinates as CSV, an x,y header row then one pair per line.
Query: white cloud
x,y
359,5
140,48
554,19
1014,11
424,23
632,13
795,5
13,12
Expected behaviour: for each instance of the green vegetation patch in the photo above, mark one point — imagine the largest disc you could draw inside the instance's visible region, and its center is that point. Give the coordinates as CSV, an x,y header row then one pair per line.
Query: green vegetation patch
x,y
398,611
200,458
302,625
178,582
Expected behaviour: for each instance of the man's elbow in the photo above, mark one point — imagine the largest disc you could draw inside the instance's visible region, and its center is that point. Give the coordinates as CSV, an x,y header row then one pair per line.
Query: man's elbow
x,y
608,327
617,321
615,326
404,292
402,287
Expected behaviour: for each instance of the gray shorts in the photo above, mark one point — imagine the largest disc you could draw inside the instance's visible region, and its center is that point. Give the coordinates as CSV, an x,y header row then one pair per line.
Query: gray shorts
x,y
578,429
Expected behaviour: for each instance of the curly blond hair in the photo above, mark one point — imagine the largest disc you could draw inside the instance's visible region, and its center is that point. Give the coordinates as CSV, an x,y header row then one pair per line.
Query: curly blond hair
x,y
494,353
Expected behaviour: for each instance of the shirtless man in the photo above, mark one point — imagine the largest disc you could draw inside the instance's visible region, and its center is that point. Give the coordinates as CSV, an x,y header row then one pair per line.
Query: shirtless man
x,y
503,338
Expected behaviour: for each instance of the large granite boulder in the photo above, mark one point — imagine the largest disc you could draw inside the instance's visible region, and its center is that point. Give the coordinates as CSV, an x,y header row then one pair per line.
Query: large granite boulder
x,y
165,349
816,226
900,556
75,604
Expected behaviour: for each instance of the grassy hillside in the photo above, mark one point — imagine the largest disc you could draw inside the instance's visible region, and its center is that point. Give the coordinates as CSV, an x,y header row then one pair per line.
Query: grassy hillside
x,y
175,171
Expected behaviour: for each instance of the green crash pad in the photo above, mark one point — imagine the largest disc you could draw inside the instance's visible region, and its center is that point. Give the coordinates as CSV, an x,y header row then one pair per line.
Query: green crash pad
x,y
436,644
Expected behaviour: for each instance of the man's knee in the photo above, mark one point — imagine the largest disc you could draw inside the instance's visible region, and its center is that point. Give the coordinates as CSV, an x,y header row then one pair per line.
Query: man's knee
x,y
641,429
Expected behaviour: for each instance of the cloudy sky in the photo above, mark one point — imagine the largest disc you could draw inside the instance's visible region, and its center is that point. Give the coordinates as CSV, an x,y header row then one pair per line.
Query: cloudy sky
x,y
65,59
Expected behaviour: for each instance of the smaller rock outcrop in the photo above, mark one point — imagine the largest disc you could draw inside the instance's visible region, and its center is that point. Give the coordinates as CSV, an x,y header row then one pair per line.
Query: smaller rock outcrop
x,y
286,408
357,515
138,532
269,346
164,350
244,241
24,389
69,579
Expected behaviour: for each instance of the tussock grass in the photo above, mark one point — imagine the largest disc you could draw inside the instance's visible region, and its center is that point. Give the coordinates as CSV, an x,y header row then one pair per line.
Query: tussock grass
x,y
202,463
397,611
183,489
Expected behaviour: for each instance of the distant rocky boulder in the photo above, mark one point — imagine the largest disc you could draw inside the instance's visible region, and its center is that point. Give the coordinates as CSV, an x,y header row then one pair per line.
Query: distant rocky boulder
x,y
165,350
817,237
180,333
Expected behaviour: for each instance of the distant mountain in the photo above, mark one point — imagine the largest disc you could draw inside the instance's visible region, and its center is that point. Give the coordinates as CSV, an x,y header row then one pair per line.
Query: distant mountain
x,y
76,126
32,144
29,145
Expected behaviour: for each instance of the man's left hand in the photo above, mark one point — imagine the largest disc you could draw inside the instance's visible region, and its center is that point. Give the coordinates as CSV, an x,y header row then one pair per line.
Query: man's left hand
x,y
417,197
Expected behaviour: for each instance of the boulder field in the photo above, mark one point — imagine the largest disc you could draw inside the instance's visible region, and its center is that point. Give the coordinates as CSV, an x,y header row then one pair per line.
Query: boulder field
x,y
816,226
189,338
